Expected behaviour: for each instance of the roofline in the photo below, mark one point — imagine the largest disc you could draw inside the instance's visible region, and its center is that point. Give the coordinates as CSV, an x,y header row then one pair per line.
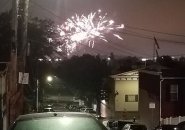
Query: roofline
x,y
122,74
145,71
151,72
172,78
160,74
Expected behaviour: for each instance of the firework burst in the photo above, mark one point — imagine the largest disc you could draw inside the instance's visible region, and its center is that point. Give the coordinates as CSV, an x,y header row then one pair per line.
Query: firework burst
x,y
85,29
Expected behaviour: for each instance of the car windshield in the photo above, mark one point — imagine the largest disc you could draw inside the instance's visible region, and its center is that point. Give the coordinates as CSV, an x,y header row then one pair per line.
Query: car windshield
x,y
59,123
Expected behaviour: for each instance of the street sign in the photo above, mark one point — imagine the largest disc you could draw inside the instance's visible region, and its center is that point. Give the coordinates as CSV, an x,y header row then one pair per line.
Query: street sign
x,y
152,105
23,78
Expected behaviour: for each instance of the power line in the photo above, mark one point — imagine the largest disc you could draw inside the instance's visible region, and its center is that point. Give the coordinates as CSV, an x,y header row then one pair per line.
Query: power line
x,y
132,32
132,27
117,48
121,49
135,34
98,51
148,30
137,28
77,51
114,47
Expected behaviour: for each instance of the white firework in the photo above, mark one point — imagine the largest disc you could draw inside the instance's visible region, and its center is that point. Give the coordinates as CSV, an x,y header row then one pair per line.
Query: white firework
x,y
84,29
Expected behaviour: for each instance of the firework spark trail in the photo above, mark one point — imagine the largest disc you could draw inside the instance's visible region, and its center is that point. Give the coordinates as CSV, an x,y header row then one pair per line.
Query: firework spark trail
x,y
78,29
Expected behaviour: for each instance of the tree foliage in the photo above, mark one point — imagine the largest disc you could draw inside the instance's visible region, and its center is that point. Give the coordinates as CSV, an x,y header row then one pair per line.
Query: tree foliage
x,y
84,73
5,36
39,34
129,63
167,61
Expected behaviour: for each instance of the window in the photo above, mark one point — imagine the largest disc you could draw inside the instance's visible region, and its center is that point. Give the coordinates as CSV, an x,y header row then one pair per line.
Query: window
x,y
173,92
131,98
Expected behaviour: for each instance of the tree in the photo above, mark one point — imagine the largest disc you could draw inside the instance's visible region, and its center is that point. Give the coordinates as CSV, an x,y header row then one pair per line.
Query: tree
x,y
42,43
84,74
129,63
39,34
167,61
5,36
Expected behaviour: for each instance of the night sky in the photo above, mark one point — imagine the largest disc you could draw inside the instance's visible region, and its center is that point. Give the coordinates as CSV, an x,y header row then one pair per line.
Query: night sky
x,y
143,19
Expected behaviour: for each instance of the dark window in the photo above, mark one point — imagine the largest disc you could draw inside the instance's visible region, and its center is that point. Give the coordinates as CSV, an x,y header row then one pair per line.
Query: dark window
x,y
131,98
172,93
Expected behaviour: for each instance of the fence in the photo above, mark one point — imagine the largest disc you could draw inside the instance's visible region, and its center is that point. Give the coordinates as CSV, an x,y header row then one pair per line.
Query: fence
x,y
173,120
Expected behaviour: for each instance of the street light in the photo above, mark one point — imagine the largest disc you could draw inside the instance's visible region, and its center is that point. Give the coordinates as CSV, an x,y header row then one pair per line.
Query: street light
x,y
49,78
144,60
37,82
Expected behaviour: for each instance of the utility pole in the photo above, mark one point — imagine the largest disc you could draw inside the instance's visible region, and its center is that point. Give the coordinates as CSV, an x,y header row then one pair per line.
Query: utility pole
x,y
155,49
13,62
37,96
23,44
24,6
160,100
14,26
154,52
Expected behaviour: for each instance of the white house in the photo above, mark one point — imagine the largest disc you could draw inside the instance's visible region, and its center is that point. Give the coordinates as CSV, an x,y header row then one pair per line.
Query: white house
x,y
126,95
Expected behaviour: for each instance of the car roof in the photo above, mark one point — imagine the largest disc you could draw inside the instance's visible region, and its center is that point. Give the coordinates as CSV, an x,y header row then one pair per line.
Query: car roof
x,y
52,114
181,123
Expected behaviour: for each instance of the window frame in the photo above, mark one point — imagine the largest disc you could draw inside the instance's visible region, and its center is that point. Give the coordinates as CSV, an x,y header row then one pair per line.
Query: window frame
x,y
133,98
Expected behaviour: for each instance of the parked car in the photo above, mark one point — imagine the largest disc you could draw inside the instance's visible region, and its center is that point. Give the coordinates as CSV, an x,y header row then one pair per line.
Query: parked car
x,y
57,121
166,127
134,126
181,125
48,109
90,110
119,124
110,123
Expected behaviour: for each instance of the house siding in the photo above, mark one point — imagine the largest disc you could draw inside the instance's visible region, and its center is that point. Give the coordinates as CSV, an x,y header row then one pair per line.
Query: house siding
x,y
150,84
148,116
148,88
149,93
126,88
172,108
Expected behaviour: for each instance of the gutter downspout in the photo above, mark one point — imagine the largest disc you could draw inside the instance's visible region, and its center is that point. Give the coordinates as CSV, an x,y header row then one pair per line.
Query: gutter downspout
x,y
160,100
